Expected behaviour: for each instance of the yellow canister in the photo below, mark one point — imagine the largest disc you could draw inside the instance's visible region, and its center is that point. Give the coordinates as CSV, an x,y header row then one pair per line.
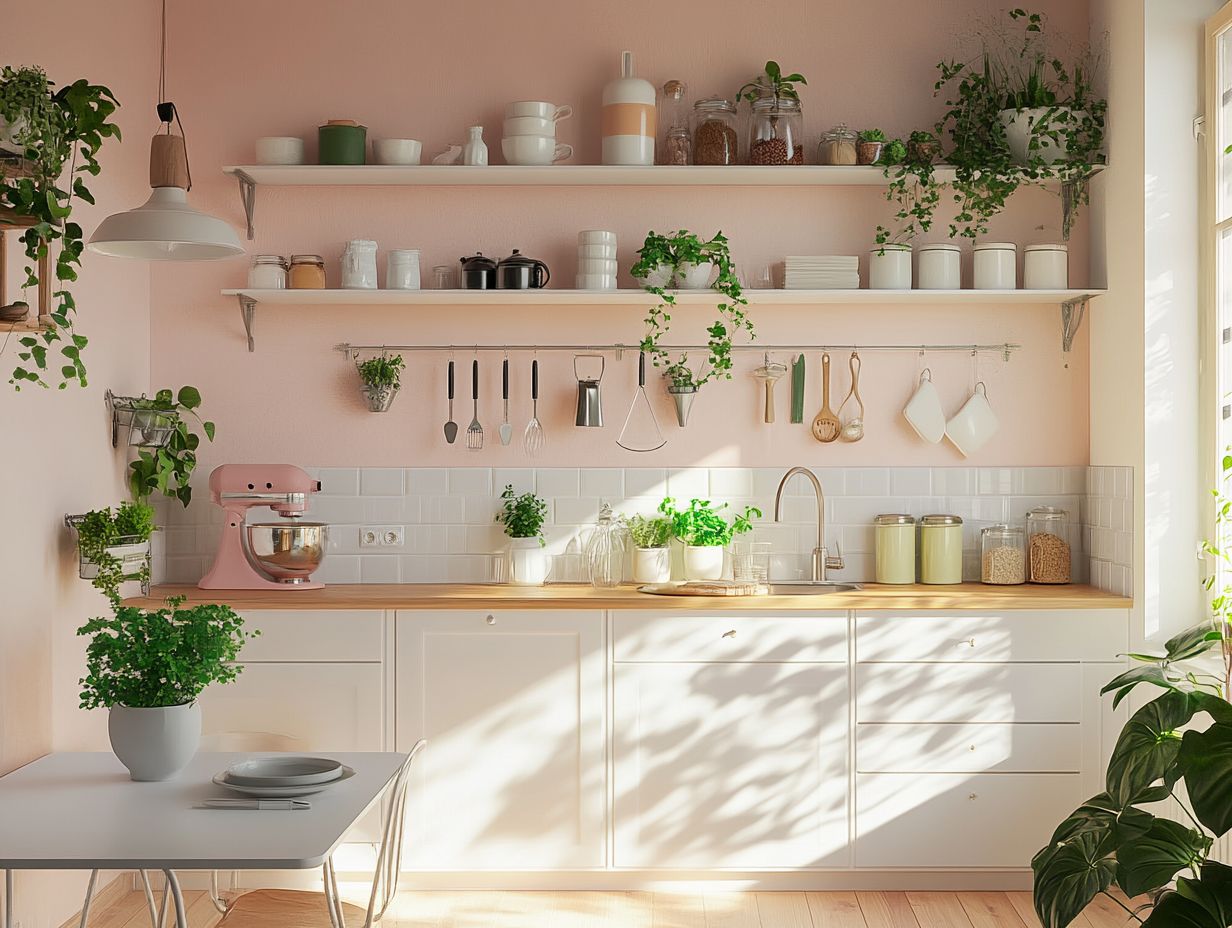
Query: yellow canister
x,y
894,541
941,549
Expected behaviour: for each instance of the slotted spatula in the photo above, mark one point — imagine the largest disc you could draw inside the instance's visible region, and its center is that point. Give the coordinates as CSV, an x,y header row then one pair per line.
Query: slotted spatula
x,y
826,425
474,431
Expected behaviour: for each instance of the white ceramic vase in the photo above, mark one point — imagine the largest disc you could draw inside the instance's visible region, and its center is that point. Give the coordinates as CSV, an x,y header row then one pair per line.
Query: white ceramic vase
x,y
659,276
529,562
703,563
652,565
694,276
1020,126
154,744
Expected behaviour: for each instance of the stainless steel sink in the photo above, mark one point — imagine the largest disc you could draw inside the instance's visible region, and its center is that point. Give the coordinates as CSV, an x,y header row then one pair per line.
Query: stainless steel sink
x,y
809,588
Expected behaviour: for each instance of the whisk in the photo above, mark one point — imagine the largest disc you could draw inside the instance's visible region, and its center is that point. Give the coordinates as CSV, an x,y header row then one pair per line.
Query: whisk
x,y
533,439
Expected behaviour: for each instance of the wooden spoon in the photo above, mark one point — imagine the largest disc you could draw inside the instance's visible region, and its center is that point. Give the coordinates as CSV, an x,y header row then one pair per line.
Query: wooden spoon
x,y
826,426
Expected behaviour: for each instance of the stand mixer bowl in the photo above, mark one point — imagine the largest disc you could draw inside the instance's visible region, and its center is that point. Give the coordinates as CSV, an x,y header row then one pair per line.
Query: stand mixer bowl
x,y
289,551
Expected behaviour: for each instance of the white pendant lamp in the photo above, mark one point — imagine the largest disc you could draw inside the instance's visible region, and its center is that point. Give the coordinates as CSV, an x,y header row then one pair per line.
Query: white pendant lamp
x,y
165,227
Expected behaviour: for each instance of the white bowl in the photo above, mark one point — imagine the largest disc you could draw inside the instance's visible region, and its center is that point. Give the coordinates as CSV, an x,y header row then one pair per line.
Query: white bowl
x,y
597,237
530,125
397,151
539,109
597,251
280,149
595,281
596,266
534,149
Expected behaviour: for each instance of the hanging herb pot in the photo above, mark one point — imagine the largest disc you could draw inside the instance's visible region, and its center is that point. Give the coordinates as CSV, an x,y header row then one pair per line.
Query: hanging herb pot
x,y
381,380
682,384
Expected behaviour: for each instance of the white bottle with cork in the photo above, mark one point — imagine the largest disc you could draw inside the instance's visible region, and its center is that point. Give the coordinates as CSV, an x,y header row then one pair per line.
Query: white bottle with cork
x,y
628,118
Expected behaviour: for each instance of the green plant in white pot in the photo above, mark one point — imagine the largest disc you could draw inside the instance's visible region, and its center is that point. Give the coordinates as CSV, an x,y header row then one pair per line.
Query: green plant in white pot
x,y
652,558
147,667
115,546
523,517
705,534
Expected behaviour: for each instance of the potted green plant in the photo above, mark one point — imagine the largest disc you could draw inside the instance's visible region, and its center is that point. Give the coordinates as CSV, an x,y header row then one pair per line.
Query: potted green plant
x,y
652,561
776,128
912,187
869,145
381,378
523,516
114,546
147,668
168,468
705,534
682,384
50,129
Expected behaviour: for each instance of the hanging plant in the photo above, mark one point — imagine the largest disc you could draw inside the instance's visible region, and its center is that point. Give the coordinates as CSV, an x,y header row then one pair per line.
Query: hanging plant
x,y
115,546
169,468
381,378
913,187
51,130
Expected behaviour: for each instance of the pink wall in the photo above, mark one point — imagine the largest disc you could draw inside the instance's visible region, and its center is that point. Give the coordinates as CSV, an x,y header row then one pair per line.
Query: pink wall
x,y
404,73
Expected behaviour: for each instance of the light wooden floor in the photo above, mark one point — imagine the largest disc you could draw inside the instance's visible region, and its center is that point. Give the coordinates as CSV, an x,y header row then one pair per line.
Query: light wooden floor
x,y
661,910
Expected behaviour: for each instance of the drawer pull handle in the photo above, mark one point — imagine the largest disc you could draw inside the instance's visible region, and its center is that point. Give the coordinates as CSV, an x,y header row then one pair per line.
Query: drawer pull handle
x,y
969,642
972,747
973,797
730,633
491,619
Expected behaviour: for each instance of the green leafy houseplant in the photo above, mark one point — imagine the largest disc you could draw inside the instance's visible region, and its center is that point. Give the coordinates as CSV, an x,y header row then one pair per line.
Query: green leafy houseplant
x,y
649,531
160,657
382,372
771,83
523,515
701,525
101,530
53,129
168,469
913,188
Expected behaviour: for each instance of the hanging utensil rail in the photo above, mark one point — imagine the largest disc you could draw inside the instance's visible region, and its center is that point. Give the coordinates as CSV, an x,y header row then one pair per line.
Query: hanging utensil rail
x,y
1004,348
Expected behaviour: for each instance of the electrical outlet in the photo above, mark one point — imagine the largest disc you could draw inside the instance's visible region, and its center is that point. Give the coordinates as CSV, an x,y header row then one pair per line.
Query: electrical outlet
x,y
370,537
393,536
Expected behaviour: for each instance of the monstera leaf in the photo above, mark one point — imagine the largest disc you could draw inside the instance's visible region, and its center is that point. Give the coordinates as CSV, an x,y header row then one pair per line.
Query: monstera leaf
x,y
1111,824
1148,748
1150,861
1205,903
1068,876
1206,763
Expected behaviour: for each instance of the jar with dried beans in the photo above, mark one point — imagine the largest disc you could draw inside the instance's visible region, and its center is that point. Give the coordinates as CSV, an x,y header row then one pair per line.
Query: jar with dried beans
x,y
1048,554
776,131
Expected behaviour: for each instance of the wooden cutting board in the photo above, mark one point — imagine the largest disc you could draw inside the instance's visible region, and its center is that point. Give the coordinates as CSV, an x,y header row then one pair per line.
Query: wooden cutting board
x,y
706,588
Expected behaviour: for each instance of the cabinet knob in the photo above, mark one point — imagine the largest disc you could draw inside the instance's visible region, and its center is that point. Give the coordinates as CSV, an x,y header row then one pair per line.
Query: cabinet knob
x,y
730,633
491,619
969,642
972,747
973,797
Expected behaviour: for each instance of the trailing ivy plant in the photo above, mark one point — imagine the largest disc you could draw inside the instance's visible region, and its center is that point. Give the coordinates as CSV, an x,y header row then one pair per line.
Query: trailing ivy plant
x,y
168,469
522,516
54,129
101,529
912,188
666,254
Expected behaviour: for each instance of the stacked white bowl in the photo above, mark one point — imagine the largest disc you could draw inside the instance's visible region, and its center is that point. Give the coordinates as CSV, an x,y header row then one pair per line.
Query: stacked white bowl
x,y
530,133
596,260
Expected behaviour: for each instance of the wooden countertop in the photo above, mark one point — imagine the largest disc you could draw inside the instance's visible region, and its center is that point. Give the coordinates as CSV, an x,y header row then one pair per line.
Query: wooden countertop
x,y
580,596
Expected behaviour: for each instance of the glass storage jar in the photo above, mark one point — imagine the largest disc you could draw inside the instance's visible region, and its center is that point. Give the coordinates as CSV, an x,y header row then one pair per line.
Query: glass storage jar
x,y
941,549
268,272
838,146
307,272
1048,550
715,140
676,142
894,542
605,550
776,131
1003,560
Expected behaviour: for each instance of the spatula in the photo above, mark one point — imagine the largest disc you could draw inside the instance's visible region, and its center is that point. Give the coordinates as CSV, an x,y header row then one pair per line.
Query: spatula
x,y
506,430
797,390
451,427
826,426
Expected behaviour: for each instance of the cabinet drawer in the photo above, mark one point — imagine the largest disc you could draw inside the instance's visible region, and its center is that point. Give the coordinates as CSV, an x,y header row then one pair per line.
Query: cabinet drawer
x,y
969,748
295,635
659,636
1080,635
969,692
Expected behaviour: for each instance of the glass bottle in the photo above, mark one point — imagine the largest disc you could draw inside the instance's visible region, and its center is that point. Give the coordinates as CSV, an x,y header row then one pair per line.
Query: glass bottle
x,y
776,133
1003,560
715,140
1048,555
605,551
677,140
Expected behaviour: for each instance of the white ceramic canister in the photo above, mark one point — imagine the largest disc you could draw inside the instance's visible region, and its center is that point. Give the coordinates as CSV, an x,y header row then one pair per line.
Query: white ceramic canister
x,y
402,269
628,118
1045,267
940,267
359,265
889,268
703,562
268,272
652,565
995,266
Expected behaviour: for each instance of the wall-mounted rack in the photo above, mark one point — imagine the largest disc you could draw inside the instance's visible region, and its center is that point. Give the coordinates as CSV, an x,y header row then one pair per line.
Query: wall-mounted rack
x,y
1005,349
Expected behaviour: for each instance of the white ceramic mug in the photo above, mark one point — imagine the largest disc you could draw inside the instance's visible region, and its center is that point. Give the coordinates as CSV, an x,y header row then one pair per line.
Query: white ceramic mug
x,y
534,149
923,411
595,281
397,151
596,266
539,109
597,237
529,125
597,251
974,424
280,149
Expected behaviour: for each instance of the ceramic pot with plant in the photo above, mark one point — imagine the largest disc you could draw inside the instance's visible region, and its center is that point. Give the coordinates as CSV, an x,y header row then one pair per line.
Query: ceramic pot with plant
x,y
652,558
705,534
776,129
114,546
168,469
382,379
147,668
682,384
523,516
869,145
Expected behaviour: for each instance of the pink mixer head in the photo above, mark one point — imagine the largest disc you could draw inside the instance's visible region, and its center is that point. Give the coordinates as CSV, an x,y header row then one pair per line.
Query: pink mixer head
x,y
263,478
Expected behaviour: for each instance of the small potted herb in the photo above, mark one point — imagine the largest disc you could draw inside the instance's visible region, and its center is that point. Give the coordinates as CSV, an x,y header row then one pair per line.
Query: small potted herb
x,y
869,144
682,385
705,534
147,667
168,468
652,561
523,517
114,546
381,378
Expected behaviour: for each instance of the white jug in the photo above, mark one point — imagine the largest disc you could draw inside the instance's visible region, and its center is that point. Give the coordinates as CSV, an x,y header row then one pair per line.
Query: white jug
x,y
359,265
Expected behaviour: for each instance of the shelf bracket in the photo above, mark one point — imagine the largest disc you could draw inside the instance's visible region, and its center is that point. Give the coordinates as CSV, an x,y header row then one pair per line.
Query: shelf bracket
x,y
248,310
1072,314
248,196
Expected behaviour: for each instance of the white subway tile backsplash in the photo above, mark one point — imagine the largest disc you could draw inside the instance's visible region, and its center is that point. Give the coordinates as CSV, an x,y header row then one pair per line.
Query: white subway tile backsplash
x,y
339,481
557,481
382,481
427,481
379,568
912,481
607,483
522,479
470,481
865,481
686,483
727,482
646,481
582,510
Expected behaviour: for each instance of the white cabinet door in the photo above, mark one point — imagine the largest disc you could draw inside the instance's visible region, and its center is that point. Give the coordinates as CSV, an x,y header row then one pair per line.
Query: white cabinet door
x,y
736,765
512,705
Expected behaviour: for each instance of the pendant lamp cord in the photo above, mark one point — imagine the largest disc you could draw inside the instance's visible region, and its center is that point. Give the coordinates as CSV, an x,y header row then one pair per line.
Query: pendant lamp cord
x,y
167,110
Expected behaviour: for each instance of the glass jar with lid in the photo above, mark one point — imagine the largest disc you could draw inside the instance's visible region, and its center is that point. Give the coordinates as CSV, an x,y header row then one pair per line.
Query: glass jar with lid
x,y
605,550
776,131
941,549
307,272
1048,548
268,272
838,146
715,140
674,115
1003,560
894,542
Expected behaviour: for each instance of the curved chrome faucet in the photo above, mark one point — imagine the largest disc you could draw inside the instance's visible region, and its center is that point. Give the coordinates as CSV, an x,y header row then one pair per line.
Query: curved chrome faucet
x,y
822,561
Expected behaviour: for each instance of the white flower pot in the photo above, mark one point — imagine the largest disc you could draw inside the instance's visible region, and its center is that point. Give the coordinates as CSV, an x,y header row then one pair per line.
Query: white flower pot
x,y
703,563
694,276
659,276
1020,126
529,562
154,744
8,135
652,565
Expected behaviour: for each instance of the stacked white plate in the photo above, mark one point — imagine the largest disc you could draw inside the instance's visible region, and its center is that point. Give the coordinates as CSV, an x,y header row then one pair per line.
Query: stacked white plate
x,y
596,268
283,776
821,272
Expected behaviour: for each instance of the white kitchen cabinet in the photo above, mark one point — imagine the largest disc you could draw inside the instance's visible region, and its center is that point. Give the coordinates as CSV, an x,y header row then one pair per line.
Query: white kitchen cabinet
x,y
731,764
994,692
513,707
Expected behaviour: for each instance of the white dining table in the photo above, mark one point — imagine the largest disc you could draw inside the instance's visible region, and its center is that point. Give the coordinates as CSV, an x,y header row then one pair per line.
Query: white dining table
x,y
80,811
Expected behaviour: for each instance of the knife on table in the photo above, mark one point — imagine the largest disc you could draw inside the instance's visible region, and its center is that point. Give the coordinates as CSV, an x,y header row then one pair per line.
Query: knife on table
x,y
258,805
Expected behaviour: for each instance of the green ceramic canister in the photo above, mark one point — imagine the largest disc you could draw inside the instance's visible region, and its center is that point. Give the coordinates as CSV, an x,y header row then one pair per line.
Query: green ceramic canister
x,y
342,141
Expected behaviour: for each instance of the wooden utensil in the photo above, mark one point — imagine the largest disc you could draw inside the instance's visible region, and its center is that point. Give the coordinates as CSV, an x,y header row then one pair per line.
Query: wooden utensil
x,y
826,427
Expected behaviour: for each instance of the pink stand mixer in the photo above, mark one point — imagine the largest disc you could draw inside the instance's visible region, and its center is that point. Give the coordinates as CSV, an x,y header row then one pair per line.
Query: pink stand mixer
x,y
265,555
